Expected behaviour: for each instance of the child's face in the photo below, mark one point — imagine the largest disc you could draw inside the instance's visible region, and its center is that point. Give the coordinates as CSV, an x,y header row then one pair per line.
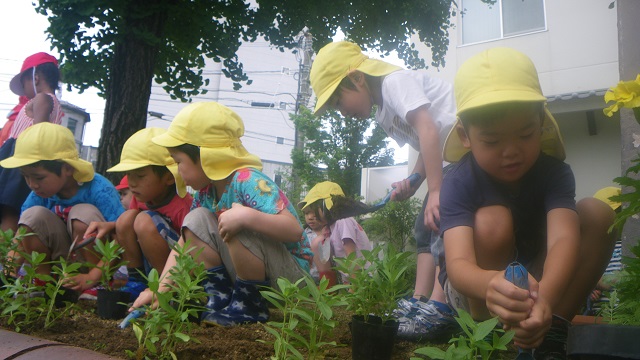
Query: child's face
x,y
506,148
125,197
149,187
27,84
356,102
191,172
45,183
312,221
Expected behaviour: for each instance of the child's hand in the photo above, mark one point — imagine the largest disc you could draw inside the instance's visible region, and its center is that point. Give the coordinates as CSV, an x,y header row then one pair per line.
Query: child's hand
x,y
231,221
432,211
145,298
402,190
99,229
531,331
510,303
80,282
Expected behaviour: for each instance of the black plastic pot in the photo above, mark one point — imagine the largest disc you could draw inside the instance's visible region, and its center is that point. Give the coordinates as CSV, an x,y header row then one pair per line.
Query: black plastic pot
x,y
112,304
372,340
603,341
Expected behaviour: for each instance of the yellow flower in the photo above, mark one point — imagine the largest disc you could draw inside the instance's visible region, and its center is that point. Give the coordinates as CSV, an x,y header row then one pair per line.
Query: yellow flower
x,y
625,94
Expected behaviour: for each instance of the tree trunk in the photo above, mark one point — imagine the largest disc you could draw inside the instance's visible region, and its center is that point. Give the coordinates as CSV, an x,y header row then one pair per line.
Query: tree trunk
x,y
133,64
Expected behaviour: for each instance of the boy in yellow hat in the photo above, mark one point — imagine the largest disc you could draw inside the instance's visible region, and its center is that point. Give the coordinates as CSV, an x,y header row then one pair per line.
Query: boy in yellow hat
x,y
335,238
247,229
412,108
160,203
66,196
510,197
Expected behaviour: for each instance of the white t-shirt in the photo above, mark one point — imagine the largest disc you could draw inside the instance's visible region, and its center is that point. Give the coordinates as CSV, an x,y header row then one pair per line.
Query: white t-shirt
x,y
348,229
407,90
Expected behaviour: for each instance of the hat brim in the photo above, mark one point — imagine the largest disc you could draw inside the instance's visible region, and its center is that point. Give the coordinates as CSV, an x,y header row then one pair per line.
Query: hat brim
x,y
16,162
16,85
167,140
220,162
120,187
371,67
551,141
127,166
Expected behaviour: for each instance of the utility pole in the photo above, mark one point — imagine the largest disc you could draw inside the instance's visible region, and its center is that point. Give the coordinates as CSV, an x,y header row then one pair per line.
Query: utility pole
x,y
305,52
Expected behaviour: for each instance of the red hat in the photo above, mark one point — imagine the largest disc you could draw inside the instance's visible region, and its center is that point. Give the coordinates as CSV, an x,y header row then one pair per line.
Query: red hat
x,y
30,62
124,183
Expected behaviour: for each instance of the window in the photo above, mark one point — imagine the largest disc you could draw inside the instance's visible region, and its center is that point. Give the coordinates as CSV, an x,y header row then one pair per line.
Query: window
x,y
71,125
482,21
278,180
279,140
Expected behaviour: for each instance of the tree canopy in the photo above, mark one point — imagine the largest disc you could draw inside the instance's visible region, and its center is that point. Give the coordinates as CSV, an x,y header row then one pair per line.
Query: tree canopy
x,y
119,46
336,149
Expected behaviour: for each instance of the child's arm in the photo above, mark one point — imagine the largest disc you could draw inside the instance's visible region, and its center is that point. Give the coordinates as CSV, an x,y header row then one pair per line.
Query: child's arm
x,y
42,108
431,156
502,298
283,226
100,229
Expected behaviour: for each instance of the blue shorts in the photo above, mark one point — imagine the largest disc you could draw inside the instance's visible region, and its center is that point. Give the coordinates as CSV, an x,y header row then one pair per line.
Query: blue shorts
x,y
163,225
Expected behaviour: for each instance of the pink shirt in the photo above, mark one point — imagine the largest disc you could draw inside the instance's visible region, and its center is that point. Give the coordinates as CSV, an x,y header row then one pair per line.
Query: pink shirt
x,y
23,121
348,229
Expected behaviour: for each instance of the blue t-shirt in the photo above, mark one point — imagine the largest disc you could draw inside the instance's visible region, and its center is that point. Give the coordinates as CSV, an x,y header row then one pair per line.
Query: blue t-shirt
x,y
98,192
548,185
251,188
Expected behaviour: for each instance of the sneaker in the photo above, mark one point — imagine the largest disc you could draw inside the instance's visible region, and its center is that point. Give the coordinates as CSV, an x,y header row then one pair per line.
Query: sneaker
x,y
554,345
428,323
406,308
134,288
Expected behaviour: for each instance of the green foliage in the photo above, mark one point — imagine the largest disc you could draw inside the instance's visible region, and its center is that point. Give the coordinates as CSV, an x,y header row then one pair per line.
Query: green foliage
x,y
9,249
53,289
393,223
109,252
306,309
170,323
627,310
336,148
473,343
630,198
378,280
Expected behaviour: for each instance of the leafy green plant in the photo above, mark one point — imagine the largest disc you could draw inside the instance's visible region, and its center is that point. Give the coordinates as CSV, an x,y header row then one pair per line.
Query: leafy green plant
x,y
627,288
53,290
393,223
306,310
109,252
473,343
9,251
169,323
377,280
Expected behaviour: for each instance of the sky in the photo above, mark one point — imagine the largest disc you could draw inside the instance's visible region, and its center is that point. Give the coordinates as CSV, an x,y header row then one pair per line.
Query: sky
x,y
19,17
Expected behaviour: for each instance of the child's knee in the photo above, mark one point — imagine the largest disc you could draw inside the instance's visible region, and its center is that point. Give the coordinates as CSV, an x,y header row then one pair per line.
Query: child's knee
x,y
596,218
126,219
143,225
493,228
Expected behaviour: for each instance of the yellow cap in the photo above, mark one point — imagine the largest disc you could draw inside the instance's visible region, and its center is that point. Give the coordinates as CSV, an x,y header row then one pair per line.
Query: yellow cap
x,y
605,193
323,190
500,75
216,129
139,151
337,60
47,141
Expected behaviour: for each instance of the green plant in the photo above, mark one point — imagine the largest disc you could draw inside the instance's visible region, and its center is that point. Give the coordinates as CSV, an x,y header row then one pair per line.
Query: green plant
x,y
9,253
169,323
53,289
627,288
473,343
109,252
377,280
306,310
393,223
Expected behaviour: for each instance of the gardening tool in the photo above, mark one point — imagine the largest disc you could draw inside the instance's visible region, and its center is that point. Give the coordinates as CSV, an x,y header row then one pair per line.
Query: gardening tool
x,y
75,245
344,207
132,315
517,275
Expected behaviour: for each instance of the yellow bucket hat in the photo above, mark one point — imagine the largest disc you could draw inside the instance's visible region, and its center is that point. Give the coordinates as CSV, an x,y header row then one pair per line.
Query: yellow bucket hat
x,y
605,193
216,129
323,190
139,151
495,76
47,141
334,62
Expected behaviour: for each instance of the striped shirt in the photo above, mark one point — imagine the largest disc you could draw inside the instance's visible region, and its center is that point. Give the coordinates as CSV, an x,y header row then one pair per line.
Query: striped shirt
x,y
23,121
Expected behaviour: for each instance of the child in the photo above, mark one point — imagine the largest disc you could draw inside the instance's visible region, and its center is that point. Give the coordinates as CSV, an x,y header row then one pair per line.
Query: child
x,y
412,108
247,229
344,236
125,193
151,226
510,197
38,81
66,196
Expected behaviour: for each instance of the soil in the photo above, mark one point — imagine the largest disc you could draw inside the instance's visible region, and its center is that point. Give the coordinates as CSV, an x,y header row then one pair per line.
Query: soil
x,y
85,329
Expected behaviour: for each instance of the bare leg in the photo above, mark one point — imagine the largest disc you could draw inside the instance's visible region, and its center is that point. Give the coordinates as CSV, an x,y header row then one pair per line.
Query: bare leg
x,y
425,275
208,256
247,266
153,245
126,237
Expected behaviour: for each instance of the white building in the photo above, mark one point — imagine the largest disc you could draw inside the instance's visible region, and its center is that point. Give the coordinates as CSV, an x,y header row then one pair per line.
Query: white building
x,y
574,45
264,105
